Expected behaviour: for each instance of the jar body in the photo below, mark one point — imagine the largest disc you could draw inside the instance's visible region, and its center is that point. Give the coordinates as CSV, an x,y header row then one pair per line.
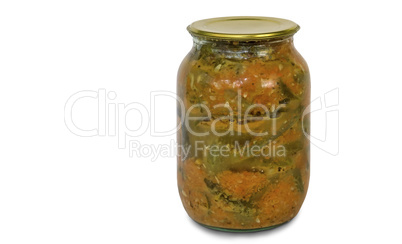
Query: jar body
x,y
243,160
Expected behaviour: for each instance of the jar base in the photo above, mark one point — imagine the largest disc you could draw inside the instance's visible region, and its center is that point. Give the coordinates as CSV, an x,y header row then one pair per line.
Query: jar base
x,y
242,230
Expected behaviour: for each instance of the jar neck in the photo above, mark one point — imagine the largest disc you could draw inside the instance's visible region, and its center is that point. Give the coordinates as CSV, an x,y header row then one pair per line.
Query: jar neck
x,y
232,49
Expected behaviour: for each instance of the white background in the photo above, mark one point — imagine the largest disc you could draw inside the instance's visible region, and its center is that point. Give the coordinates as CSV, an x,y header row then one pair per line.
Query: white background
x,y
56,187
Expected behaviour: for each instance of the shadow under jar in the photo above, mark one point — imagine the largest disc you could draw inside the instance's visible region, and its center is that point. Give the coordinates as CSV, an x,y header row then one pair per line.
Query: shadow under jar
x,y
243,161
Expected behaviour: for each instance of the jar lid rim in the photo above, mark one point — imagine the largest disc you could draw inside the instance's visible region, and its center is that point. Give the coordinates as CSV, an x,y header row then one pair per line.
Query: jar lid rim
x,y
243,28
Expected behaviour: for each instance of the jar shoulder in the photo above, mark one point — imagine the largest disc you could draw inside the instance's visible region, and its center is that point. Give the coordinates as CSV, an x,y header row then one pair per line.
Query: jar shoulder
x,y
266,79
223,66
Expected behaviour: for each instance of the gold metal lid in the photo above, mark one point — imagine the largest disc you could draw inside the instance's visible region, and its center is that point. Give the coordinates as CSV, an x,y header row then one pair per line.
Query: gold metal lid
x,y
243,28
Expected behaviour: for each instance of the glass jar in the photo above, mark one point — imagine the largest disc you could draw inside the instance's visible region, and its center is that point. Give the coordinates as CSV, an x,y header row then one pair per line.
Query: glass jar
x,y
243,162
